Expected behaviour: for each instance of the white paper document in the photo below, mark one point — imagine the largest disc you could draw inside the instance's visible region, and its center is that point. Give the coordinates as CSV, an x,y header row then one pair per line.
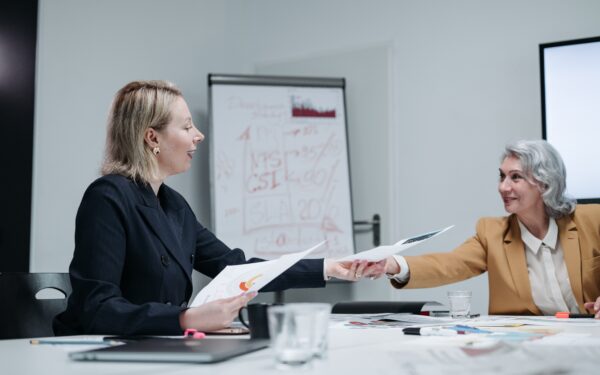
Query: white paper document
x,y
431,356
382,252
243,278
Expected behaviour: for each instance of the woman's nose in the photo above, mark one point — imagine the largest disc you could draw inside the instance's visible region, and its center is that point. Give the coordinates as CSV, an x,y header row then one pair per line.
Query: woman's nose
x,y
199,137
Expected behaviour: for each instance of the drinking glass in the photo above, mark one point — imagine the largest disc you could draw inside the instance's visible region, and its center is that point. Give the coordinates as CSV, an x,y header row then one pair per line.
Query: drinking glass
x,y
460,303
293,328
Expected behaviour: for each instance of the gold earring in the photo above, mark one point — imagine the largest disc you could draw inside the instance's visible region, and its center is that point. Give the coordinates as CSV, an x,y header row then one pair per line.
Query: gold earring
x,y
156,150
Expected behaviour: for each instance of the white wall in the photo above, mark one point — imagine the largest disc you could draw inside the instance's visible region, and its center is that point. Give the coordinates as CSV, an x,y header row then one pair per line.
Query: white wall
x,y
87,50
465,81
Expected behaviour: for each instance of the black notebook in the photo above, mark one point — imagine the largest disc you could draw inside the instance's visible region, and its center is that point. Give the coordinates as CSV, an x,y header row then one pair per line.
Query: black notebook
x,y
173,350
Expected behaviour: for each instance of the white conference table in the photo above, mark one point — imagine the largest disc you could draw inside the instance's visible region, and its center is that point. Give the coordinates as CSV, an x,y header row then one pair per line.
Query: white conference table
x,y
351,351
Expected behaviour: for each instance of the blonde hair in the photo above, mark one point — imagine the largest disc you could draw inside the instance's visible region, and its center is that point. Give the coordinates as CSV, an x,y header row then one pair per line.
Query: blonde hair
x,y
138,106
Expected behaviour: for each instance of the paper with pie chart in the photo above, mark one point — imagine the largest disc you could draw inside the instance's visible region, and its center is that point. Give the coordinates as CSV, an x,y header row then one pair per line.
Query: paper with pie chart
x,y
250,277
382,252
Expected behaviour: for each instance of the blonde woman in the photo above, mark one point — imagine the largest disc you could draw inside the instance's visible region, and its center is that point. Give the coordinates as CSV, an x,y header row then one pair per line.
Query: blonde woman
x,y
137,240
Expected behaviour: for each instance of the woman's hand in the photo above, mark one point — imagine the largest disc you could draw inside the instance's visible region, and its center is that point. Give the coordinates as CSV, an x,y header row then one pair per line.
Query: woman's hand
x,y
391,266
594,307
214,315
354,270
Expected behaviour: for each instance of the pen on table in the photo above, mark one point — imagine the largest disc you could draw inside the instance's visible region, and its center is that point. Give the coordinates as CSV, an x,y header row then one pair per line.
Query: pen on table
x,y
435,313
468,329
430,331
568,315
67,341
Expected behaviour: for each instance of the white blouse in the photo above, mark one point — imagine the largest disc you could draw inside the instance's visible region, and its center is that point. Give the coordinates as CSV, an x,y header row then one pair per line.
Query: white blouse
x,y
550,284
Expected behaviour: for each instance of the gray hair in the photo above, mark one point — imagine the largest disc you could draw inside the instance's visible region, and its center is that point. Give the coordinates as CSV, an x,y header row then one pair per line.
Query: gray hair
x,y
543,163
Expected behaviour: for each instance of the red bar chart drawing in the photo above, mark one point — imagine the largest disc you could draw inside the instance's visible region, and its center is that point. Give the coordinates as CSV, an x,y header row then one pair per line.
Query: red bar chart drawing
x,y
305,108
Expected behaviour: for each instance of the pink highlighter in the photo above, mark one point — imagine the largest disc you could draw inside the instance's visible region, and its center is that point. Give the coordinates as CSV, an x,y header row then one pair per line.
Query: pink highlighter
x,y
193,334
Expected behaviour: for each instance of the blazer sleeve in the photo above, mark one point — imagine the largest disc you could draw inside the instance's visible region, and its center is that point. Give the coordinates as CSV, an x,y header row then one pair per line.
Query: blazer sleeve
x,y
435,269
96,305
212,255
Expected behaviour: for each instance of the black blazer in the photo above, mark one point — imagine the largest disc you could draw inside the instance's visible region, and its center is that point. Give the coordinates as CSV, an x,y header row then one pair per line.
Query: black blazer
x,y
134,254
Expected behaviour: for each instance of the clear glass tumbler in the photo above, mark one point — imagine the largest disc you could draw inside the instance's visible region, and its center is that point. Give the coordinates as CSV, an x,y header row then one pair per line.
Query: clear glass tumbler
x,y
460,303
321,330
292,331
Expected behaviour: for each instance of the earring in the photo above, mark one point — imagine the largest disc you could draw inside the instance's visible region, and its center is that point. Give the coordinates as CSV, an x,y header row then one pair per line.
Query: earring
x,y
156,150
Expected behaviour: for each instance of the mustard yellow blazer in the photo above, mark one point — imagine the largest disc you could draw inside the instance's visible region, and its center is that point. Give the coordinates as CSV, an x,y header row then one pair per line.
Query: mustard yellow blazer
x,y
498,249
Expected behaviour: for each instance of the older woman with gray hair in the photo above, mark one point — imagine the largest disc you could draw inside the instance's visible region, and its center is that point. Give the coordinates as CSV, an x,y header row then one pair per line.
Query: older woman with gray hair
x,y
541,259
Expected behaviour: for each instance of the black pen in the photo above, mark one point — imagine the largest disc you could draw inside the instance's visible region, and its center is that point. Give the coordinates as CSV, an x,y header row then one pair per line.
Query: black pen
x,y
429,331
568,315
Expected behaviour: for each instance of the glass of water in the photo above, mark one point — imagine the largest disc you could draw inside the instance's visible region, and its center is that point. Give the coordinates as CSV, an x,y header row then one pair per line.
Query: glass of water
x,y
321,330
292,328
460,303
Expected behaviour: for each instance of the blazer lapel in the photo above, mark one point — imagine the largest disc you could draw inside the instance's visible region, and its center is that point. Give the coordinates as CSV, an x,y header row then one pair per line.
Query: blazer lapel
x,y
157,221
569,240
517,261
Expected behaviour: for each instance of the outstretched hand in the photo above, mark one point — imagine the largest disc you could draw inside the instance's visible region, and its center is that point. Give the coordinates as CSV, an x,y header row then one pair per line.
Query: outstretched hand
x,y
354,270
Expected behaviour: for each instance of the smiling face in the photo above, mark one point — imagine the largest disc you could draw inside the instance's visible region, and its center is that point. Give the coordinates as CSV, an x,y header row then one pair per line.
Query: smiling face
x,y
177,141
521,196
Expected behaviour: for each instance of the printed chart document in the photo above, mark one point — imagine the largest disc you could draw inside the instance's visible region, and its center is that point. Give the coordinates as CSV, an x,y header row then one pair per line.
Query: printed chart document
x,y
242,278
382,252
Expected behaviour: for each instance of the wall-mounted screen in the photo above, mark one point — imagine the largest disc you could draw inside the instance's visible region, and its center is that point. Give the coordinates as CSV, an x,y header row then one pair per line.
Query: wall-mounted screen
x,y
570,78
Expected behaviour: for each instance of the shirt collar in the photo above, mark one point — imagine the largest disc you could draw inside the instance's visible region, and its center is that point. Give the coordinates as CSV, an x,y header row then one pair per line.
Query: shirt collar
x,y
533,243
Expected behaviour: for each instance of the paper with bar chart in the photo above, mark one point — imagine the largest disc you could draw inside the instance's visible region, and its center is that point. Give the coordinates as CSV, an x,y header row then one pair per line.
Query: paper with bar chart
x,y
250,277
382,252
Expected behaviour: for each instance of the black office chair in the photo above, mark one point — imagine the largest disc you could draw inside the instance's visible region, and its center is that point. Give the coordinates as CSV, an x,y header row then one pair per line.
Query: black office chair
x,y
22,314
